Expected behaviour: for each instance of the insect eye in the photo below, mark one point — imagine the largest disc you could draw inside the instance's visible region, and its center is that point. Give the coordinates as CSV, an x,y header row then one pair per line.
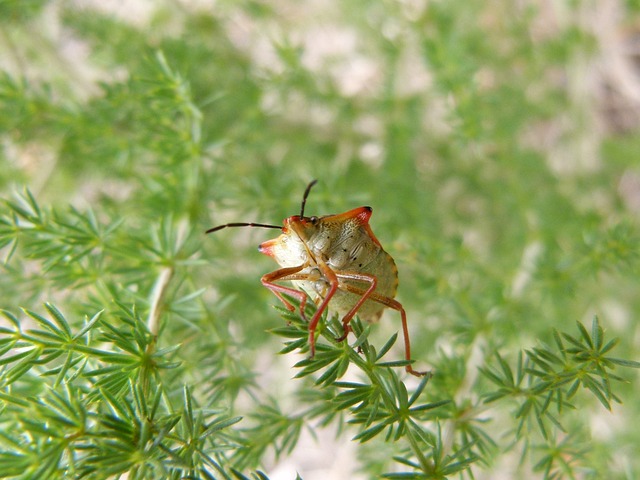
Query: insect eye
x,y
313,220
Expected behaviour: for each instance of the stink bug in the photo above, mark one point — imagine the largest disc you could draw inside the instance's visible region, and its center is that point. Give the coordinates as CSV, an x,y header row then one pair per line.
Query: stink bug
x,y
339,260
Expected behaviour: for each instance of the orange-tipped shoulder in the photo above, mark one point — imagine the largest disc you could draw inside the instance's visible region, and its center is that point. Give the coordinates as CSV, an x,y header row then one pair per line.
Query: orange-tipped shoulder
x,y
267,247
361,216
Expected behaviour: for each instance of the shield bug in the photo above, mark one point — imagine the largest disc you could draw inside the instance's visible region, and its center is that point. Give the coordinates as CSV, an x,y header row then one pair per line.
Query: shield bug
x,y
339,261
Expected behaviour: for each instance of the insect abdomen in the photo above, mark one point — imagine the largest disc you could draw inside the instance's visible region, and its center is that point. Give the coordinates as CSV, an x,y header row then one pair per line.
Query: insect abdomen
x,y
383,268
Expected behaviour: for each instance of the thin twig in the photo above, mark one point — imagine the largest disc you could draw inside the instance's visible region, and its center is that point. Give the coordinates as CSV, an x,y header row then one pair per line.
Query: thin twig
x,y
157,296
476,358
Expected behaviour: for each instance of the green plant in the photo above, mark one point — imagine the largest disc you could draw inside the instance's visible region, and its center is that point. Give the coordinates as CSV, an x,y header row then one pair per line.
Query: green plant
x,y
152,356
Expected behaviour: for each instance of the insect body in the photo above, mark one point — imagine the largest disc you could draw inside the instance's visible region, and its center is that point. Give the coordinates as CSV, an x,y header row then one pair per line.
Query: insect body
x,y
338,260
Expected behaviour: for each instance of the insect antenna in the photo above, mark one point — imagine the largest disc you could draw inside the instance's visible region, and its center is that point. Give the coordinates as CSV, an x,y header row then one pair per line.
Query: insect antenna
x,y
304,197
242,224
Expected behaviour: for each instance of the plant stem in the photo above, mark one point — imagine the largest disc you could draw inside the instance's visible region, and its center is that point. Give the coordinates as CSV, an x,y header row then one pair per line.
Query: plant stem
x,y
157,297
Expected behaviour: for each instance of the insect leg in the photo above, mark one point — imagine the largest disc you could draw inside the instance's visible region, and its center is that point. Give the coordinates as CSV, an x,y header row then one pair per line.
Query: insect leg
x,y
373,281
331,277
395,305
285,274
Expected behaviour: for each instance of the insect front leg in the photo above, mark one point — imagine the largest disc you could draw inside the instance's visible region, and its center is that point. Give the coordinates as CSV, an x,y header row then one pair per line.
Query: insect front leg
x,y
292,273
286,274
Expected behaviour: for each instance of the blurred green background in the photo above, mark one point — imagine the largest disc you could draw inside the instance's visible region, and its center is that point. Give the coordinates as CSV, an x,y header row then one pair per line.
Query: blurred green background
x,y
498,143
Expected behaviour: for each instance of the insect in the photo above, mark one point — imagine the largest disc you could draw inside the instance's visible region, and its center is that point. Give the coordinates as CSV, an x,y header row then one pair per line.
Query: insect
x,y
339,261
